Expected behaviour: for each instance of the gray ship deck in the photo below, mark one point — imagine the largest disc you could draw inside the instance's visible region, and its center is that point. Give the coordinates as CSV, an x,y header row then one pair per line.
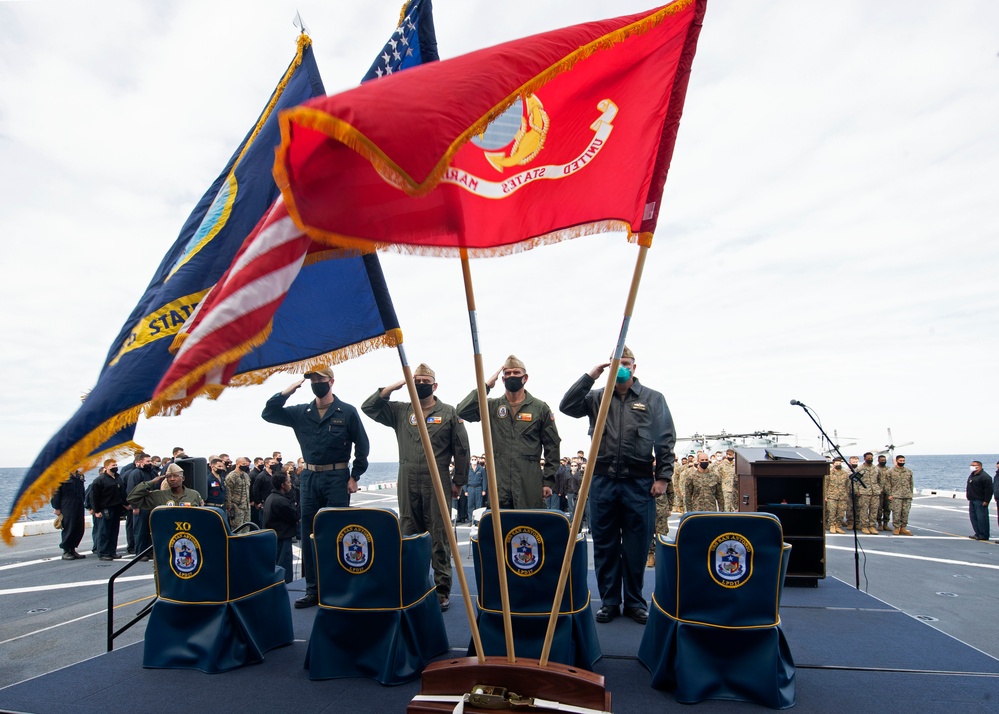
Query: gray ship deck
x,y
932,649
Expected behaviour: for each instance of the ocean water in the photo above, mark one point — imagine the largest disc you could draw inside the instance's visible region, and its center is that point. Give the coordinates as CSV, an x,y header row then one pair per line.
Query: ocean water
x,y
945,472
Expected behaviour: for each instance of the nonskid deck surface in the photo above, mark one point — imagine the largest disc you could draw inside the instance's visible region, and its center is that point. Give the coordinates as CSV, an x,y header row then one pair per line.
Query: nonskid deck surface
x,y
846,644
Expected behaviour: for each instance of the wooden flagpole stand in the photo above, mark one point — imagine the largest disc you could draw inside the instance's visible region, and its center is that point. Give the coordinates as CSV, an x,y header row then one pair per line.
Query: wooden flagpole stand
x,y
447,682
443,502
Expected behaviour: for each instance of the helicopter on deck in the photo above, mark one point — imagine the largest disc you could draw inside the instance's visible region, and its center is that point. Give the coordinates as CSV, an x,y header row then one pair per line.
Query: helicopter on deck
x,y
724,440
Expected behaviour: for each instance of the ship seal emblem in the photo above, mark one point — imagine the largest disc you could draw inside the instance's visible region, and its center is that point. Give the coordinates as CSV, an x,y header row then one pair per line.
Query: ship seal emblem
x,y
730,560
355,549
526,550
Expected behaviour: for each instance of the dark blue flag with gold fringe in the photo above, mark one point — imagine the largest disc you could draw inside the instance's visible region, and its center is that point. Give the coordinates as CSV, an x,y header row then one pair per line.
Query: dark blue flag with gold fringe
x,y
105,424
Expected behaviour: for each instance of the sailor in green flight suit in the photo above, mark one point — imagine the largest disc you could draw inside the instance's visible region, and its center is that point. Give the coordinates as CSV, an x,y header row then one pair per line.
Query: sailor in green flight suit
x,y
418,509
522,427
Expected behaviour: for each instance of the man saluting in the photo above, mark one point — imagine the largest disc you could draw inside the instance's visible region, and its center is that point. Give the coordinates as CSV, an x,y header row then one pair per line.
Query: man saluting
x,y
326,428
418,509
634,466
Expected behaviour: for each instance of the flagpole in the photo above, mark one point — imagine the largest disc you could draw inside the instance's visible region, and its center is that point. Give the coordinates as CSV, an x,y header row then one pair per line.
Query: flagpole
x,y
443,502
598,432
487,441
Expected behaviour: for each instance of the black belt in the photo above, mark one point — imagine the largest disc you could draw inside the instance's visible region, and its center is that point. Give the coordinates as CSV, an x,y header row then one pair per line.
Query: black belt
x,y
326,467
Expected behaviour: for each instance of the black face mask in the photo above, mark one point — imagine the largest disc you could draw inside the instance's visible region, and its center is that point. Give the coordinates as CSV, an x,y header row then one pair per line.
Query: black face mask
x,y
704,465
244,468
424,390
220,471
868,461
320,389
147,467
114,470
513,384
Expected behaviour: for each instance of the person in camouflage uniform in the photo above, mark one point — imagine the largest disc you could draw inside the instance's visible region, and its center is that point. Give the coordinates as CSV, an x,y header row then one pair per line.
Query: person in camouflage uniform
x,y
837,495
418,507
884,505
703,487
679,470
867,496
725,467
900,496
522,426
664,507
237,493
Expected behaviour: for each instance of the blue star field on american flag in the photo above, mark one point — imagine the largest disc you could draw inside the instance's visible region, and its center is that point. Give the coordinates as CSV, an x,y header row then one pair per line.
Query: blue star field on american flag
x,y
403,48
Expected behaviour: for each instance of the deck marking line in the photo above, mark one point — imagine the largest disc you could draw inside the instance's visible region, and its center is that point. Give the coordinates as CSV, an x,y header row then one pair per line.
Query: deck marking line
x,y
946,561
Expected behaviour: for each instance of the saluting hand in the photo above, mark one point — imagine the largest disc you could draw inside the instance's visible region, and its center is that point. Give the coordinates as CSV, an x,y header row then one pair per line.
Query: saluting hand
x,y
292,388
599,369
491,382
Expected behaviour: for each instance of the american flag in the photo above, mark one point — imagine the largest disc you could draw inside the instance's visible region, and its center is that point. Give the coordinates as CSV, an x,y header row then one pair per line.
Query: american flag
x,y
413,42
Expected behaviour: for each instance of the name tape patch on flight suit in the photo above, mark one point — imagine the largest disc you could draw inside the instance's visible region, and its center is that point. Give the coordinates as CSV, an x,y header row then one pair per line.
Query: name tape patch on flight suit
x,y
730,560
355,549
524,416
527,551
185,555
435,420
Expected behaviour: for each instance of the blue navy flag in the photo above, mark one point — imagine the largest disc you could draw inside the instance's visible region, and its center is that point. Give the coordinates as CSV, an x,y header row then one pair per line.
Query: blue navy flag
x,y
139,356
288,303
413,42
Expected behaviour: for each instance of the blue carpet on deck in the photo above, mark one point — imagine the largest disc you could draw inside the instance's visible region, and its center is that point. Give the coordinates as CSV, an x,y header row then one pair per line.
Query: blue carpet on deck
x,y
836,633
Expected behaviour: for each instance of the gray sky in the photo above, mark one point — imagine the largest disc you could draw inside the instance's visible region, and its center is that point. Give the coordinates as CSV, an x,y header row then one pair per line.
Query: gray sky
x,y
829,226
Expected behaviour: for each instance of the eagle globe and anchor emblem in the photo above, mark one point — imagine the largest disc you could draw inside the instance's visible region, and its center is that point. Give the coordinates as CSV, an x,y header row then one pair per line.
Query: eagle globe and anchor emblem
x,y
513,141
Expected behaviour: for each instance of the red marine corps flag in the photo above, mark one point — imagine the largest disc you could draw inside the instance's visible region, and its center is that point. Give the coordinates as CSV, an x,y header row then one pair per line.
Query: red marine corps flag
x,y
554,136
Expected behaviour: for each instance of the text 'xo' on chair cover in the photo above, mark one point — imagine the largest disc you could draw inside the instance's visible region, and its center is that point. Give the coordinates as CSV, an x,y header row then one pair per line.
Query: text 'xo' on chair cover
x,y
714,625
222,602
534,543
378,612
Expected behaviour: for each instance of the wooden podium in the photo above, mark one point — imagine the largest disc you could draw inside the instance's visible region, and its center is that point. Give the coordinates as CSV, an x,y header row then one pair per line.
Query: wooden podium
x,y
790,484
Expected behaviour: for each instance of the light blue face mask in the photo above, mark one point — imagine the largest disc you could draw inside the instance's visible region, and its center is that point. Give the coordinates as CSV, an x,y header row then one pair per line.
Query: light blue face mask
x,y
623,375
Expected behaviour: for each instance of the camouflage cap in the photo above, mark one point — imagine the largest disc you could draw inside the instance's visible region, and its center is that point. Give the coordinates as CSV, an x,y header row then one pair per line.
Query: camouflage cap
x,y
423,370
322,371
513,363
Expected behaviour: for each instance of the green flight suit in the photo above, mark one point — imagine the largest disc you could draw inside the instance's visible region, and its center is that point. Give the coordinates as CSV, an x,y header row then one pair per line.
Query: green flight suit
x,y
418,509
519,437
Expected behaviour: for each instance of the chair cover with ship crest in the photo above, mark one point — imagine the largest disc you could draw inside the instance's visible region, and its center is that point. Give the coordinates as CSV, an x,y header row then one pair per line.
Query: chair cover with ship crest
x,y
714,625
534,543
378,612
221,601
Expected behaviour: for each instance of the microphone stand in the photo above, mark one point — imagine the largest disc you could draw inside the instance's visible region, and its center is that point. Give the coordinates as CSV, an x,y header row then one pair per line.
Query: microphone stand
x,y
855,478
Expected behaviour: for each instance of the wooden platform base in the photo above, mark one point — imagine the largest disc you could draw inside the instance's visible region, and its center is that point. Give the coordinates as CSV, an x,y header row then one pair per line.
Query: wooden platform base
x,y
525,677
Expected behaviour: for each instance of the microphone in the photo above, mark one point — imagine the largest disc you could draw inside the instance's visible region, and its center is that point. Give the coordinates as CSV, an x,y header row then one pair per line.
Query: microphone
x,y
796,403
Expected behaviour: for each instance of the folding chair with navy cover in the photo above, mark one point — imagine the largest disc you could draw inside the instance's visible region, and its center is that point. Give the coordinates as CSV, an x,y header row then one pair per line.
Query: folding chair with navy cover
x,y
221,602
714,625
378,613
534,544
